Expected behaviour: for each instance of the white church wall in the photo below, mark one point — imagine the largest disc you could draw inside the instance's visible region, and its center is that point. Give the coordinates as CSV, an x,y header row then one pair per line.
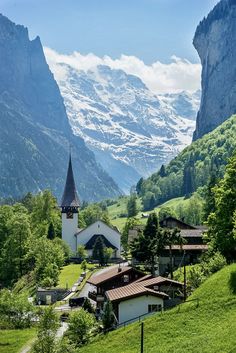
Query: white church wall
x,y
100,228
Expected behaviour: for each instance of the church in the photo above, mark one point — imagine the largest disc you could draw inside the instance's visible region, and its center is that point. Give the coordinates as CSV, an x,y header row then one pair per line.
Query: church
x,y
87,236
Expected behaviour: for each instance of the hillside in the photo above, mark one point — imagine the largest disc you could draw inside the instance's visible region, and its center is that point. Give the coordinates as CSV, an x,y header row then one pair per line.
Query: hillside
x,y
193,167
131,130
206,328
35,134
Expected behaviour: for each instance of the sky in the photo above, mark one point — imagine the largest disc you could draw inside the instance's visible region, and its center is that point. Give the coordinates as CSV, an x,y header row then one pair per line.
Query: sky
x,y
139,33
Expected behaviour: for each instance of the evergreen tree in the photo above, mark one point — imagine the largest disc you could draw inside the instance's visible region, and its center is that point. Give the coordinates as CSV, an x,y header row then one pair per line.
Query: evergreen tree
x,y
162,171
51,231
150,243
139,186
209,197
108,318
132,206
98,251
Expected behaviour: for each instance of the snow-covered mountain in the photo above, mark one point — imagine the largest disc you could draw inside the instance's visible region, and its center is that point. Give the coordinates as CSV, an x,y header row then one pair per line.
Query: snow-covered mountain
x,y
131,130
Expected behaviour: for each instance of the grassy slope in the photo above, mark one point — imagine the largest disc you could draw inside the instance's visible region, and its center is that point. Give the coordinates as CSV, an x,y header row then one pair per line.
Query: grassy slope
x,y
208,328
120,207
12,341
69,275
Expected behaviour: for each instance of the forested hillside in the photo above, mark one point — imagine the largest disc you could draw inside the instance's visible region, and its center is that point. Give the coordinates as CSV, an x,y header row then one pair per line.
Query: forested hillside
x,y
192,168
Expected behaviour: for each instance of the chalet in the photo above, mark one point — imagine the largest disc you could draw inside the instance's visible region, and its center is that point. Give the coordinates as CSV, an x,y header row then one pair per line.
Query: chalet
x,y
142,297
110,279
71,234
193,248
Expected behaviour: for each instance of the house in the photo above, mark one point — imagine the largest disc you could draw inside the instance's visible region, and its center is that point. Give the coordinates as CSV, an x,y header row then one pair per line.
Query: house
x,y
46,296
71,234
189,252
144,296
112,278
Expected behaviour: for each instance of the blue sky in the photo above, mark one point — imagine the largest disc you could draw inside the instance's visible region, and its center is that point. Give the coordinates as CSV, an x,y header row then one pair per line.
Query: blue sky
x,y
148,29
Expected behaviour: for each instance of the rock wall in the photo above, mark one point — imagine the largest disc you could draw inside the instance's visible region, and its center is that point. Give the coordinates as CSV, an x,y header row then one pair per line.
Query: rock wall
x,y
215,42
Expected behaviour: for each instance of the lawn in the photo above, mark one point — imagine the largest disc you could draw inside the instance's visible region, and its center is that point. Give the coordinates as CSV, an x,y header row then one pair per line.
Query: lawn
x,y
69,275
207,328
12,341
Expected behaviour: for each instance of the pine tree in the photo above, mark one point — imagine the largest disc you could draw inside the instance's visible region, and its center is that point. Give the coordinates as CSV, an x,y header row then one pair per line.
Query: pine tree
x,y
162,171
51,231
132,206
108,318
98,251
139,186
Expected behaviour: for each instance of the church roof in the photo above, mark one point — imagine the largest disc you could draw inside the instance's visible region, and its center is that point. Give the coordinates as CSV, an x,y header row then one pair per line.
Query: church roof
x,y
90,244
70,197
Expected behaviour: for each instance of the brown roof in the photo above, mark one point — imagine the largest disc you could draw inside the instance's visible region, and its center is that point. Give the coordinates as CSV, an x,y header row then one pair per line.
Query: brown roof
x,y
158,280
140,288
143,278
131,291
109,274
188,247
192,232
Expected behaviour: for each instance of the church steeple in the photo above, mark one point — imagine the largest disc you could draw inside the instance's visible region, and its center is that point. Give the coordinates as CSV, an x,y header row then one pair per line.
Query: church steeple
x,y
70,199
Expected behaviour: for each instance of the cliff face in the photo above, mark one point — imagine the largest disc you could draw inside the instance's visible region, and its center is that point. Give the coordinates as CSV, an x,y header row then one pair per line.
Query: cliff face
x,y
35,133
215,42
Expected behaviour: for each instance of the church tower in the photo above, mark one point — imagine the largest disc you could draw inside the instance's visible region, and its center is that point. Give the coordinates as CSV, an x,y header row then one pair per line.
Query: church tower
x,y
69,210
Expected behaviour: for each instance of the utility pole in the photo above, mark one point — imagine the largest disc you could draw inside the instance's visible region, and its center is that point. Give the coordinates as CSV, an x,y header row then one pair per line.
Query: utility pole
x,y
142,338
185,291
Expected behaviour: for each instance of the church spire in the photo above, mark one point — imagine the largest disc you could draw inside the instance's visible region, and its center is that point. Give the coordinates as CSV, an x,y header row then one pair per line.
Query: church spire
x,y
70,197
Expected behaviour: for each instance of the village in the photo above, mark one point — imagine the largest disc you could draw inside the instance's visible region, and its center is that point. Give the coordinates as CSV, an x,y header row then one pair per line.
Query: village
x,y
133,291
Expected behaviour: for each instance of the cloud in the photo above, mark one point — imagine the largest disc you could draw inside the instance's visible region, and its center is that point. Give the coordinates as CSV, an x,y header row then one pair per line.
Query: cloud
x,y
178,75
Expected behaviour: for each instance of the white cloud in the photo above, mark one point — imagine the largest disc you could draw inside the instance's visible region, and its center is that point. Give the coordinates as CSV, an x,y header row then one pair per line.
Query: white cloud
x,y
178,75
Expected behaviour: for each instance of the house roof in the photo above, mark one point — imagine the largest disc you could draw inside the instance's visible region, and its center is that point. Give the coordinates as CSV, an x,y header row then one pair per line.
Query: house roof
x,y
109,274
160,280
188,247
176,220
131,291
70,197
90,244
192,233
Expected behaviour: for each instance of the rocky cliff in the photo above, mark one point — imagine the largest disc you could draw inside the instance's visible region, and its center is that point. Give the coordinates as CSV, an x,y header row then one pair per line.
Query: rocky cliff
x,y
215,42
35,133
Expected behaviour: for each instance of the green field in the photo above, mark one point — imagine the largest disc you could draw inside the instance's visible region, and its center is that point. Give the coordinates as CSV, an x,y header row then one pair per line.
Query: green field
x,y
12,341
207,328
69,275
115,211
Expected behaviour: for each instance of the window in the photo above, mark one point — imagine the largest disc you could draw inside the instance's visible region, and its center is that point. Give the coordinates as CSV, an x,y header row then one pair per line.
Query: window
x,y
154,307
69,215
126,279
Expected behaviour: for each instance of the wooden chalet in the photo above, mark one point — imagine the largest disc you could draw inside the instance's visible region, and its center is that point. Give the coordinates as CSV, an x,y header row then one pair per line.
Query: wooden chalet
x,y
110,279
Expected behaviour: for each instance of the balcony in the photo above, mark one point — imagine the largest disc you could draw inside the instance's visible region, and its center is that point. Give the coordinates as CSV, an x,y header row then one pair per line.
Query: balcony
x,y
96,297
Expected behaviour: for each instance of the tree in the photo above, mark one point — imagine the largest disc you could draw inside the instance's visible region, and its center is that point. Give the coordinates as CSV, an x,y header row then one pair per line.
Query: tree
x,y
98,251
162,171
172,237
132,206
84,265
107,254
51,231
15,310
108,318
130,224
166,212
81,252
221,222
12,260
150,243
88,306
80,325
47,329
209,199
139,186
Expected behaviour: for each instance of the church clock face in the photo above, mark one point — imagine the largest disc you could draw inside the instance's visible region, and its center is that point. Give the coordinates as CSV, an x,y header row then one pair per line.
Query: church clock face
x,y
69,215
